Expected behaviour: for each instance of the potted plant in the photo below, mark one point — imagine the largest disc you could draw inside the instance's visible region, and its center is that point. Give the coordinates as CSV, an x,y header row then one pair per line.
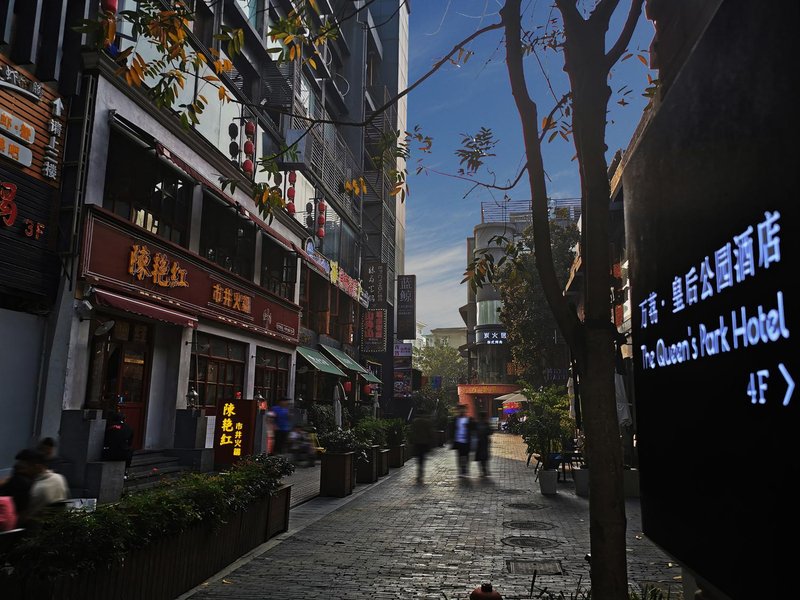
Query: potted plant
x,y
373,436
547,424
337,474
395,439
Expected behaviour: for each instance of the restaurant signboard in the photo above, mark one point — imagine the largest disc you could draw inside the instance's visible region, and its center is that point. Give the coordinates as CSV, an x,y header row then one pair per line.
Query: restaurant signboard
x,y
118,255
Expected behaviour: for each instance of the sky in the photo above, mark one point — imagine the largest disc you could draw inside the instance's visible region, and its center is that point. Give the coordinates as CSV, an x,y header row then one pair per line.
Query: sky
x,y
460,100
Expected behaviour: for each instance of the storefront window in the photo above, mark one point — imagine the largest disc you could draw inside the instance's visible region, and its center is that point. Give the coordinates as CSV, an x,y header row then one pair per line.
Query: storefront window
x,y
278,269
145,191
272,373
226,238
217,368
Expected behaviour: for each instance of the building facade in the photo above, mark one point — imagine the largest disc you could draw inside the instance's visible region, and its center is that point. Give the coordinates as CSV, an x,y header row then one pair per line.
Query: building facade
x,y
174,295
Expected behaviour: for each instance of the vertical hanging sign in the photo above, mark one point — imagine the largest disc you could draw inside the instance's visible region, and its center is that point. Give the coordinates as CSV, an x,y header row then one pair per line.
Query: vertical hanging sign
x,y
406,307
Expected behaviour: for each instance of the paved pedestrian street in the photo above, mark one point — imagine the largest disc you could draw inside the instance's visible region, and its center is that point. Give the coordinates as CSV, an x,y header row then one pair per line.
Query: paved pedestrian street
x,y
440,539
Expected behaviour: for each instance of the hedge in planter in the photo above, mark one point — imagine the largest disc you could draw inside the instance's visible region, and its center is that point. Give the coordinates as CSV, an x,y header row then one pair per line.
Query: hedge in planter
x,y
68,544
337,474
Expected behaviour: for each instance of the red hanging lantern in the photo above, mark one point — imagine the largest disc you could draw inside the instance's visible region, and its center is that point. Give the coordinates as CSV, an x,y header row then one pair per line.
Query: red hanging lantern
x,y
109,6
247,166
250,128
290,193
367,389
290,208
321,232
321,220
348,386
321,207
292,177
249,148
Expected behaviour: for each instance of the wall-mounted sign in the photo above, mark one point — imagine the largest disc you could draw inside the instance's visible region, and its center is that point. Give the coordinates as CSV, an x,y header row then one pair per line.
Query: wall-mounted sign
x,y
406,307
402,349
373,330
340,278
32,125
318,259
115,254
713,251
375,282
491,336
233,435
26,206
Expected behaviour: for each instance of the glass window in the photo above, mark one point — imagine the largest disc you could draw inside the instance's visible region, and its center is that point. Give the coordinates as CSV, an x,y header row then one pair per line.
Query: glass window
x,y
217,368
278,268
489,312
145,191
226,238
271,375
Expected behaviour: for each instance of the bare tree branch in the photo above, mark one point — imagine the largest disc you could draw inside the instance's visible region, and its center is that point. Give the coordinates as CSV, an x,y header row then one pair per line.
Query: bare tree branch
x,y
528,111
625,35
603,11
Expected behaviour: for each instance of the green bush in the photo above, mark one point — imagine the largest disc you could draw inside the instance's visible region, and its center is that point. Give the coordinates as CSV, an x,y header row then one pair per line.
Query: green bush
x,y
66,542
547,422
372,429
395,431
345,440
321,416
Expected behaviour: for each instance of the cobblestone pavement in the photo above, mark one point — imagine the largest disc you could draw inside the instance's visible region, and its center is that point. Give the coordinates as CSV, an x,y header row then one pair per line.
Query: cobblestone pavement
x,y
440,539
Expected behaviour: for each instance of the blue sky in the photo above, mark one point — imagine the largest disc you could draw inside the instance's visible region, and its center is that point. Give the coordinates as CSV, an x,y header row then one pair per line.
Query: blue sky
x,y
460,100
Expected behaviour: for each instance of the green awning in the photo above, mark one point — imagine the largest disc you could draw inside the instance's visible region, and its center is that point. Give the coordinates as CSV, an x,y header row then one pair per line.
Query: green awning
x,y
319,362
344,360
370,377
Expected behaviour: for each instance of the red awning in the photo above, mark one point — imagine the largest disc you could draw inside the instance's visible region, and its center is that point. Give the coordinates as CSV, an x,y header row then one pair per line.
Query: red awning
x,y
140,307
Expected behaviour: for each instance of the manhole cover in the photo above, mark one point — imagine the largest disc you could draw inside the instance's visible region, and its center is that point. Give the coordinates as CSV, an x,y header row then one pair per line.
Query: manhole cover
x,y
512,492
525,505
529,567
540,525
529,542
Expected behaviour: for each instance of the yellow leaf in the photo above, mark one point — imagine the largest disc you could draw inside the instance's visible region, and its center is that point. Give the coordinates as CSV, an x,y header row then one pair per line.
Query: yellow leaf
x,y
642,60
291,53
348,187
313,63
397,189
221,93
288,39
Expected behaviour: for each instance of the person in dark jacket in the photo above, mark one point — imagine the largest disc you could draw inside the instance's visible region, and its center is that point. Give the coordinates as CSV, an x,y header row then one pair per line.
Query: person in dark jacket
x,y
483,432
118,442
461,431
421,435
18,486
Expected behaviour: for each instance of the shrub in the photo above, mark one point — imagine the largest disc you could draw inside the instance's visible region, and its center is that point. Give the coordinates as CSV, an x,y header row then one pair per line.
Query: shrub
x,y
321,416
395,431
66,542
373,430
345,440
548,423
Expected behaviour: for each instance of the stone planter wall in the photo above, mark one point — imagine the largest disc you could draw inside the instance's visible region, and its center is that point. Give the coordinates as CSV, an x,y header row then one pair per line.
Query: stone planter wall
x,y
168,567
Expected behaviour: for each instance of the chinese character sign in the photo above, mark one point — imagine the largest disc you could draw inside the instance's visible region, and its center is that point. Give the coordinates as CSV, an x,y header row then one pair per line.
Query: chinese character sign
x,y
406,307
233,436
374,281
373,334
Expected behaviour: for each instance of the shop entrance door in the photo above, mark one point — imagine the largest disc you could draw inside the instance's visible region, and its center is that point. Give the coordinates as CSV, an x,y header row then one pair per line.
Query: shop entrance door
x,y
120,373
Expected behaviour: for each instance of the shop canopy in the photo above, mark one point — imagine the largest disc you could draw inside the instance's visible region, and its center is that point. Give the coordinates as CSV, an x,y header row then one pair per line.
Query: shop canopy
x,y
317,360
344,360
370,377
145,309
512,397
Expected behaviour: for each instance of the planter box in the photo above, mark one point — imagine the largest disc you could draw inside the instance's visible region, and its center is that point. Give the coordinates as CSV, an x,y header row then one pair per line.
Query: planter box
x,y
630,482
336,475
170,566
581,477
396,456
383,462
367,472
548,482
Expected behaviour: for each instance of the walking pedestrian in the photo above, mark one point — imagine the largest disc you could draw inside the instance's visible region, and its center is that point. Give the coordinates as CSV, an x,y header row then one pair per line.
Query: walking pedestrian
x,y
421,434
48,487
461,431
283,425
483,432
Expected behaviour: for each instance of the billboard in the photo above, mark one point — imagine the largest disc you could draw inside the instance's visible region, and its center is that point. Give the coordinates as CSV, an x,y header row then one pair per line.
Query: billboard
x,y
710,203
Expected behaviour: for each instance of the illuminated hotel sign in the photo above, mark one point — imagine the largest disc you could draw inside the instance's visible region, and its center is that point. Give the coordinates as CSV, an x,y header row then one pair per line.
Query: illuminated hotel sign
x,y
743,327
710,198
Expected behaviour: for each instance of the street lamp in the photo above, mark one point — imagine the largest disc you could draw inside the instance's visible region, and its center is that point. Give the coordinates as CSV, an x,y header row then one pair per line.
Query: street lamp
x,y
192,397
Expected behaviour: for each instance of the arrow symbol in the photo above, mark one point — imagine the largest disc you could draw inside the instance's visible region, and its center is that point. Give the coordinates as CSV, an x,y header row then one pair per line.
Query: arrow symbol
x,y
787,398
